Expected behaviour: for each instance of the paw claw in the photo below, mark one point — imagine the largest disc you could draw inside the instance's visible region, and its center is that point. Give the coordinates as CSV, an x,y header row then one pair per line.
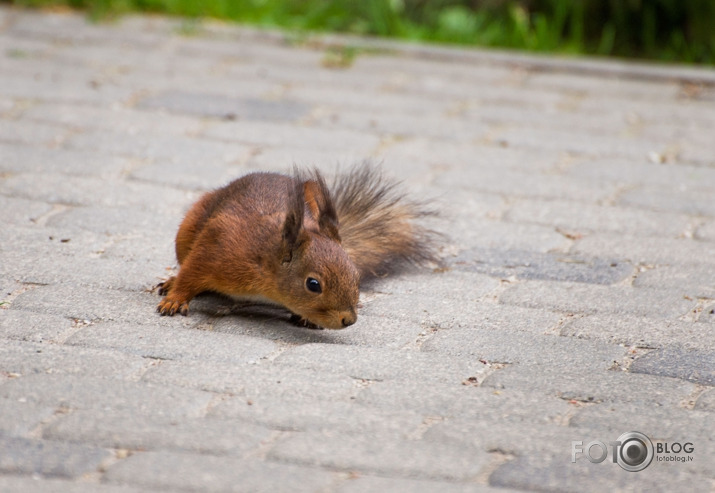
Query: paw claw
x,y
170,308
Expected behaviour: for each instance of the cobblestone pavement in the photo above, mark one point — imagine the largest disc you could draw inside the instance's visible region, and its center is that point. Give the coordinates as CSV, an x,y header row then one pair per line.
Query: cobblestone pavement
x,y
579,302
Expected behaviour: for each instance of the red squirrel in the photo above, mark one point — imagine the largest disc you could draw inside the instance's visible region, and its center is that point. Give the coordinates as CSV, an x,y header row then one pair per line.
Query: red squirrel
x,y
295,242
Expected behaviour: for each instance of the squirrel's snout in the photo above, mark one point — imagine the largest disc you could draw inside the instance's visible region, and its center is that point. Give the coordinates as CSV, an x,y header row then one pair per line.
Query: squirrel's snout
x,y
349,320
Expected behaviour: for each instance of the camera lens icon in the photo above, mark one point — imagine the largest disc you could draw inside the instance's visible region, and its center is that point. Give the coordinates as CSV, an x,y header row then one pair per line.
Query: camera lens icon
x,y
635,452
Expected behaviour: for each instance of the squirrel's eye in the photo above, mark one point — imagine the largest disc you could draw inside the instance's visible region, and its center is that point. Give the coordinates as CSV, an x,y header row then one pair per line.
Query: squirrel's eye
x,y
313,285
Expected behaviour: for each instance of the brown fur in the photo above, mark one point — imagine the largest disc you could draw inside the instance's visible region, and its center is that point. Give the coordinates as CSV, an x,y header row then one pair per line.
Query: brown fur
x,y
265,234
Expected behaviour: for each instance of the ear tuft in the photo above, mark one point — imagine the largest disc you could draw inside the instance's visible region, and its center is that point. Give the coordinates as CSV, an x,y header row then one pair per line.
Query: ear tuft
x,y
293,224
320,205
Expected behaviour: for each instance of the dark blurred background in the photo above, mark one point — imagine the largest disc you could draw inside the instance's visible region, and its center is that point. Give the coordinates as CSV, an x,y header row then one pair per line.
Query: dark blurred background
x,y
671,30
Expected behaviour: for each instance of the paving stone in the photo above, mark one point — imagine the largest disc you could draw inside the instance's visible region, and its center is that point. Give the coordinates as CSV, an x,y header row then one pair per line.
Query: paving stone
x,y
505,346
379,364
470,158
99,304
22,417
557,473
85,262
694,202
116,221
495,235
58,189
535,265
33,484
28,358
35,159
366,484
280,135
34,327
115,118
199,176
173,343
66,86
641,251
84,392
420,310
345,97
193,472
218,106
639,173
605,87
432,125
593,298
659,423
706,232
253,380
640,331
157,146
464,400
22,212
571,140
381,455
41,134
524,185
45,458
512,438
692,365
584,218
582,384
694,280
292,413
137,432
706,401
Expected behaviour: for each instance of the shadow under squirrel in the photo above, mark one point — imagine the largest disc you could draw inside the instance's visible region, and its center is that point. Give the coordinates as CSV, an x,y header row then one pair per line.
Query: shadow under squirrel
x,y
295,242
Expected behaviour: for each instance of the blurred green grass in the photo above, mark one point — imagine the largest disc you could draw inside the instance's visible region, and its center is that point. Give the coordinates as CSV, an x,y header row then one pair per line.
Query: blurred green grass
x,y
669,30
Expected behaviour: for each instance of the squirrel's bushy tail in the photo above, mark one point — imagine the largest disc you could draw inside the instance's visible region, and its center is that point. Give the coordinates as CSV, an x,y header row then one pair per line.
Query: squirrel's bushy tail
x,y
378,223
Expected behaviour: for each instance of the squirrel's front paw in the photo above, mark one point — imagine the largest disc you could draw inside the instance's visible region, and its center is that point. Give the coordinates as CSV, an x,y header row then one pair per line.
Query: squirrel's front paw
x,y
171,307
164,287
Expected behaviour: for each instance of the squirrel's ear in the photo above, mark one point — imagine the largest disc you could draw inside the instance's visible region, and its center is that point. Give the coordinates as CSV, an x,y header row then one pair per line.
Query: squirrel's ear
x,y
293,225
321,207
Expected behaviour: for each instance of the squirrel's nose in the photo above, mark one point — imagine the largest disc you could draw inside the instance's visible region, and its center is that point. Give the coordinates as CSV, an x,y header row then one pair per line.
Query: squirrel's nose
x,y
349,320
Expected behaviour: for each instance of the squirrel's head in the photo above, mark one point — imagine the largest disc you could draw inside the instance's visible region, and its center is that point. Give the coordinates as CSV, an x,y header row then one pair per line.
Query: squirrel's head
x,y
318,279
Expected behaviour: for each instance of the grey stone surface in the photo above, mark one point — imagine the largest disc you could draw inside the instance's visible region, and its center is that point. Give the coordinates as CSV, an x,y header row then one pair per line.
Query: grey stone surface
x,y
640,331
506,346
35,484
173,343
591,298
557,473
22,417
576,300
45,458
367,484
89,392
192,472
533,265
140,432
26,358
379,364
692,365
464,400
222,107
381,455
290,413
572,381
